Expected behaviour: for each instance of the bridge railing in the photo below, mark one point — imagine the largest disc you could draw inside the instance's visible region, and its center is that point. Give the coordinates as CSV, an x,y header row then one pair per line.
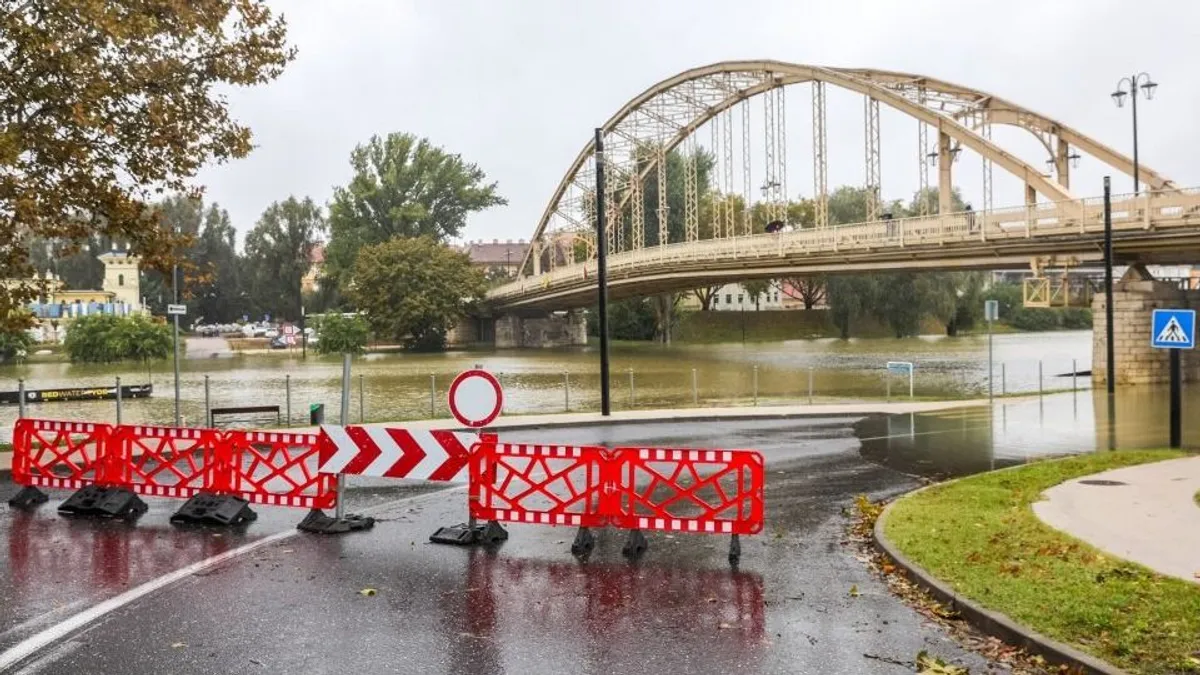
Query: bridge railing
x,y
1077,216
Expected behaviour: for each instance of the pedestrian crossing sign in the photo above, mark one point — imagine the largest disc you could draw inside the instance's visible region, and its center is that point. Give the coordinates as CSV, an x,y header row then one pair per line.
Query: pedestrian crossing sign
x,y
1173,329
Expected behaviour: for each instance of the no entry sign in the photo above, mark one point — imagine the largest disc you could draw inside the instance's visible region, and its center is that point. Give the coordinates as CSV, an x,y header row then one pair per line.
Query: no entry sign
x,y
476,398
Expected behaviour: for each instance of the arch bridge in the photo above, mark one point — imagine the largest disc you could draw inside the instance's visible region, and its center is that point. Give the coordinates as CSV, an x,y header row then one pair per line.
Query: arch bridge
x,y
682,211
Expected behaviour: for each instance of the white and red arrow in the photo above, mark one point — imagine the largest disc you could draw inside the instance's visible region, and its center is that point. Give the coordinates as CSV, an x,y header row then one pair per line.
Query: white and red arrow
x,y
395,453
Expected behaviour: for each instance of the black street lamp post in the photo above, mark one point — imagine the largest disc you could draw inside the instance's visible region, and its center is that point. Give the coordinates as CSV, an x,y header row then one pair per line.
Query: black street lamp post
x,y
1128,86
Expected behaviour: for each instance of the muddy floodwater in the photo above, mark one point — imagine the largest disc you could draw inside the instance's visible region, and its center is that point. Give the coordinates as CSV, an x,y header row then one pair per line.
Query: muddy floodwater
x,y
410,386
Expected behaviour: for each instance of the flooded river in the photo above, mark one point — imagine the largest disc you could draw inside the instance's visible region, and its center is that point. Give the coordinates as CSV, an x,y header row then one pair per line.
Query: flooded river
x,y
399,386
412,386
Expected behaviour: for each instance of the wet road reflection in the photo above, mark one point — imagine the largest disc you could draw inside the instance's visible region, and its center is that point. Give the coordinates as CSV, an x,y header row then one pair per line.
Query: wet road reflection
x,y
969,440
529,608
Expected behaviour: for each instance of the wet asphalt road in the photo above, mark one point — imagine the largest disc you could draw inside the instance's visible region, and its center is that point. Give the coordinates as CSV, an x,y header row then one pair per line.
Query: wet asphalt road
x,y
528,607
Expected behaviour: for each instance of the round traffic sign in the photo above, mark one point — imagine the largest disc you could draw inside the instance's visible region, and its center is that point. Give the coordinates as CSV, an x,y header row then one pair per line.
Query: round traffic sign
x,y
476,398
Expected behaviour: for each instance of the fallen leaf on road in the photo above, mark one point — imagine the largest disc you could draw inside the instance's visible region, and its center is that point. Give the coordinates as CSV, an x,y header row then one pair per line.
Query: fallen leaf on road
x,y
931,665
854,591
724,625
368,592
178,645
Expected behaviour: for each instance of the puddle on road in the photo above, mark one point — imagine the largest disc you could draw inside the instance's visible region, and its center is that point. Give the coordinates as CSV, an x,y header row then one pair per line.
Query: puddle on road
x,y
964,441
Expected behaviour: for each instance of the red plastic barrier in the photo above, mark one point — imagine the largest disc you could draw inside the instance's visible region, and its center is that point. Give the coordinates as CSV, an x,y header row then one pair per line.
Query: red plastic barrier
x,y
166,461
280,469
682,490
546,484
63,455
262,467
686,490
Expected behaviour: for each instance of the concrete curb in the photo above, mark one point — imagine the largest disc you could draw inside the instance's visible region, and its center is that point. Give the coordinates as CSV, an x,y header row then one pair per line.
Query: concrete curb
x,y
992,623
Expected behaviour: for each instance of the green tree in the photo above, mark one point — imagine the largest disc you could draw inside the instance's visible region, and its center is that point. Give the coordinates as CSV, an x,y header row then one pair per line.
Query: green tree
x,y
1010,297
414,290
105,104
849,298
402,187
138,338
628,319
216,289
278,254
338,334
93,339
14,343
105,338
897,300
181,215
755,288
76,264
676,197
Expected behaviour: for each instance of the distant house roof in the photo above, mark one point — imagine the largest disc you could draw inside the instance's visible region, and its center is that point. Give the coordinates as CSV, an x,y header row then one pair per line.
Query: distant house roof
x,y
497,252
317,255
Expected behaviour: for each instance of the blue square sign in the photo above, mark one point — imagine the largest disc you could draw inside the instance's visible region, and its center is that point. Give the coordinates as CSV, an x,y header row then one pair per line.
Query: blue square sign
x,y
1173,329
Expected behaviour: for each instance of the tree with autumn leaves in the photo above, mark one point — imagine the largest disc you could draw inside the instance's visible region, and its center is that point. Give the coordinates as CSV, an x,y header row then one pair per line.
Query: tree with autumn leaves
x,y
108,105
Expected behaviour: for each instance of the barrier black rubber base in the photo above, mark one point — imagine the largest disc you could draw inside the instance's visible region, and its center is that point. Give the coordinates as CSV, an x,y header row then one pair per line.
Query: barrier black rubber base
x,y
735,550
208,509
584,544
318,523
464,534
28,498
104,502
635,544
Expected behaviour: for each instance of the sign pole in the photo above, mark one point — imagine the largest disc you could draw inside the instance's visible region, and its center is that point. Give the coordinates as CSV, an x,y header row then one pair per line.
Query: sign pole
x,y
176,310
1174,330
342,420
991,312
1176,403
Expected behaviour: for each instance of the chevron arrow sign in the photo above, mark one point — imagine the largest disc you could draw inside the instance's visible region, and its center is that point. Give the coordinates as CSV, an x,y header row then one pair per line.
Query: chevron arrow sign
x,y
395,453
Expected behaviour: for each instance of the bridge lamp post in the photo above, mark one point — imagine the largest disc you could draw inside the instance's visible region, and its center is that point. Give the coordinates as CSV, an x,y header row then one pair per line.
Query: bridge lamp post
x,y
1128,86
1073,158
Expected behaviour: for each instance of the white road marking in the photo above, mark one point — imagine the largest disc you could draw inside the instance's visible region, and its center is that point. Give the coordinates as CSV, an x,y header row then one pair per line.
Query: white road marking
x,y
49,617
31,645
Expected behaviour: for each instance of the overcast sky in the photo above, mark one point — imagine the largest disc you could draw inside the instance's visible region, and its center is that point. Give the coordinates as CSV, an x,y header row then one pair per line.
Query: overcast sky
x,y
518,86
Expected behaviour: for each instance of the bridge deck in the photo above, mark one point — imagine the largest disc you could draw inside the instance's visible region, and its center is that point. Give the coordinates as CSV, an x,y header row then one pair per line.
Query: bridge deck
x,y
1152,227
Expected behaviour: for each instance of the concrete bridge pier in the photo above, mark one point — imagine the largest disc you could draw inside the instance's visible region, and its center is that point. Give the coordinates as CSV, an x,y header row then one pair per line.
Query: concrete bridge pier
x,y
511,331
558,329
1135,296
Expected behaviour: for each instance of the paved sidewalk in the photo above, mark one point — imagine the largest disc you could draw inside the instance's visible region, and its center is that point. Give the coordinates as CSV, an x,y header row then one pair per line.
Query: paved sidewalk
x,y
1148,516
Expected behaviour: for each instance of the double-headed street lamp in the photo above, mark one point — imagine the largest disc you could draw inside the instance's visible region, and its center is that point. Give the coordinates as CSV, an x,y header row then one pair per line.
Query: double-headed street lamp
x,y
1128,86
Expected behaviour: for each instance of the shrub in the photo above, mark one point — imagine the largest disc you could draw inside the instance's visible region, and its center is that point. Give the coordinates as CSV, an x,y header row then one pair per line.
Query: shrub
x,y
104,338
1034,319
1076,318
339,334
14,344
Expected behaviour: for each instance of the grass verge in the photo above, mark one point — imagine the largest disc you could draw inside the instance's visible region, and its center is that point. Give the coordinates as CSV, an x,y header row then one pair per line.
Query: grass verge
x,y
981,536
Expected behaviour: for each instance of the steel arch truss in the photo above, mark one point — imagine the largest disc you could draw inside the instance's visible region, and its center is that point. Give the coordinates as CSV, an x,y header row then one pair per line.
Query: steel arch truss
x,y
668,113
